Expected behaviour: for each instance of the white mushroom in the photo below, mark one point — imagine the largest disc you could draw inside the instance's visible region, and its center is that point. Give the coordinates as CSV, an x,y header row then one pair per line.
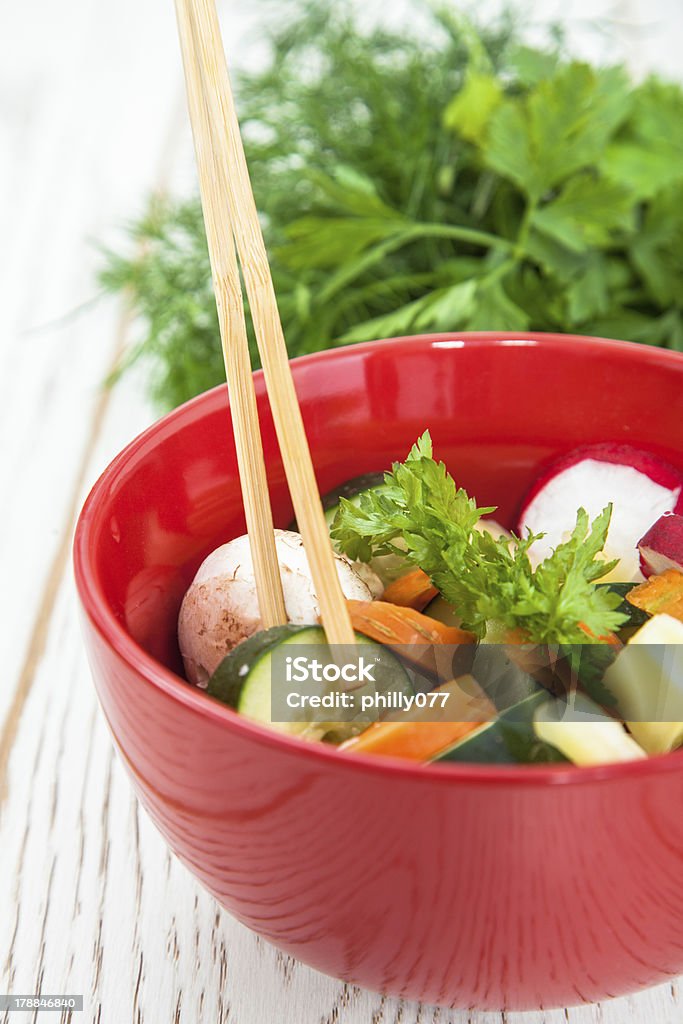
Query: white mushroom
x,y
220,608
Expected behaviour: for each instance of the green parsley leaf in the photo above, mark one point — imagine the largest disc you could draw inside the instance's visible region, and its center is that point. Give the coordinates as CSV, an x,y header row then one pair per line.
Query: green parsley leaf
x,y
487,579
496,311
560,127
657,250
470,111
588,294
585,213
647,155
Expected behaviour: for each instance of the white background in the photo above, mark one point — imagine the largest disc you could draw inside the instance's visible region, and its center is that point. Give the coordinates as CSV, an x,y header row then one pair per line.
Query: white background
x,y
91,119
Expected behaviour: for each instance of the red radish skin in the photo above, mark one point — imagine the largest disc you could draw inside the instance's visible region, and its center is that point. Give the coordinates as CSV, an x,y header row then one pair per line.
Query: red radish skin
x,y
641,486
662,546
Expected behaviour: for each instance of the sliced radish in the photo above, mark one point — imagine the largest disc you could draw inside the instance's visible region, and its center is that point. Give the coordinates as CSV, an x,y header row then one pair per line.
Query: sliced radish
x,y
640,486
662,546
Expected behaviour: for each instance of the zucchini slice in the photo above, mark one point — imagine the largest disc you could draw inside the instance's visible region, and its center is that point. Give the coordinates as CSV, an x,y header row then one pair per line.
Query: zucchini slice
x,y
508,739
351,490
243,680
591,663
387,567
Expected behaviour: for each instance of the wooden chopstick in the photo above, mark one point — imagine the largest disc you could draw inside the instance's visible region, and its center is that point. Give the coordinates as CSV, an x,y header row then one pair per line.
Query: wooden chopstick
x,y
234,342
209,60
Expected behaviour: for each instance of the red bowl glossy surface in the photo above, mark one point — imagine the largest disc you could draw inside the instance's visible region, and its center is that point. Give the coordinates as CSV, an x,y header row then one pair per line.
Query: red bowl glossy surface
x,y
459,885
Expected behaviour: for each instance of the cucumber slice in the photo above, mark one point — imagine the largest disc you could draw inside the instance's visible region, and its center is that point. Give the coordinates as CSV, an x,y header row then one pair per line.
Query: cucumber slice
x,y
586,665
351,490
504,680
387,567
509,739
243,680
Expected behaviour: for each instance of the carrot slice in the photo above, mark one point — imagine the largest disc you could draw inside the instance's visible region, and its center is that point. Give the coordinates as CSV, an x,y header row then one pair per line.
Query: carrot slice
x,y
415,741
421,739
663,593
414,590
392,624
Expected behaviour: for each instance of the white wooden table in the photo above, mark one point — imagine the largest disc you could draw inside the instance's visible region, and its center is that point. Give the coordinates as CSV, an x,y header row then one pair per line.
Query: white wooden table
x,y
91,901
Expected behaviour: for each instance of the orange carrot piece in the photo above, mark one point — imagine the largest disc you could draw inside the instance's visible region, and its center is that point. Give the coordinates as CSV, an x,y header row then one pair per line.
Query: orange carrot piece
x,y
416,741
414,590
421,734
392,624
663,593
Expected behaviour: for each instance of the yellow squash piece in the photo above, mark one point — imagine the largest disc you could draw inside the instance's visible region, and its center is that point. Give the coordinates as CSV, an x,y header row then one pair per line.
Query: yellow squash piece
x,y
646,678
589,738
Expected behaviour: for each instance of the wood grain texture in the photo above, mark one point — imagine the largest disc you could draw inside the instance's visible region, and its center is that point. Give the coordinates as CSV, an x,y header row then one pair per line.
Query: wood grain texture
x,y
91,901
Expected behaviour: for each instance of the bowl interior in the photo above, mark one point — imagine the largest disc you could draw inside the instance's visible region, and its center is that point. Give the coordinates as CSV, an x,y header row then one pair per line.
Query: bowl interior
x,y
497,407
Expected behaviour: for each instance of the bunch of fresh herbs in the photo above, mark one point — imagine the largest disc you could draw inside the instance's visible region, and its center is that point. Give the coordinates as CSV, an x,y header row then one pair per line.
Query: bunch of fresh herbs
x,y
447,180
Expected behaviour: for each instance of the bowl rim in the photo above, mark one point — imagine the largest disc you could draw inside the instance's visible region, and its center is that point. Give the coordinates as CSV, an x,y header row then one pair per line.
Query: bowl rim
x,y
195,700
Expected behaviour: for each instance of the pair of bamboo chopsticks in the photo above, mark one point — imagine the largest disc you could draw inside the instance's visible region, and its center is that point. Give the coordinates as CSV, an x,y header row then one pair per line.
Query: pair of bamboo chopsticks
x,y
231,220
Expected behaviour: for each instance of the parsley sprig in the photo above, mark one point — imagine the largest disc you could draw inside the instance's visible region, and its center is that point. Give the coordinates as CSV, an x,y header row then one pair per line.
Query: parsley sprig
x,y
487,579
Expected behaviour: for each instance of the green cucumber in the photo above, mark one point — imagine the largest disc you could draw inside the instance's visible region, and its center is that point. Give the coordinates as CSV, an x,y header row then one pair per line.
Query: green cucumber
x,y
351,490
508,739
585,665
243,669
505,681
243,681
387,567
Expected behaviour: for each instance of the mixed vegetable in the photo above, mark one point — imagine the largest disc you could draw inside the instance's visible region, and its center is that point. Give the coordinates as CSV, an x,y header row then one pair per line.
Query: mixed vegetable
x,y
556,643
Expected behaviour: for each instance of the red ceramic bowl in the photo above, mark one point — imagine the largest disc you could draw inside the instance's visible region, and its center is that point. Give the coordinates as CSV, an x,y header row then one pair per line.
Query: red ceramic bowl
x,y
473,886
